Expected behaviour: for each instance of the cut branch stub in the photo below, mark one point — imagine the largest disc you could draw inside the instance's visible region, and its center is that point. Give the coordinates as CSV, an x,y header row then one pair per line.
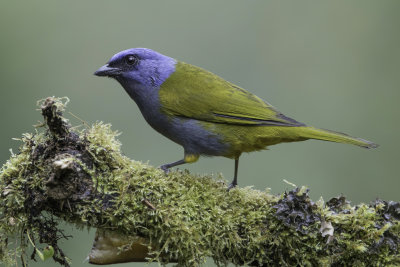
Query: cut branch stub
x,y
52,114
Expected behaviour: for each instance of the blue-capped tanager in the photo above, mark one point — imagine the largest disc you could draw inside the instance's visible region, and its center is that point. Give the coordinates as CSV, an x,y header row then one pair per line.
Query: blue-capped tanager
x,y
204,113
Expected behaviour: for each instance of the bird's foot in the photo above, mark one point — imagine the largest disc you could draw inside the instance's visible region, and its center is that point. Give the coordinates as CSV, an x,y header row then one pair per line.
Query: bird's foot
x,y
231,186
165,168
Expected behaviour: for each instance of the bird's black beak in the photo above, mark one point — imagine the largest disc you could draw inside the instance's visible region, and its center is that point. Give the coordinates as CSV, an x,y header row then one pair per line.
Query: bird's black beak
x,y
107,71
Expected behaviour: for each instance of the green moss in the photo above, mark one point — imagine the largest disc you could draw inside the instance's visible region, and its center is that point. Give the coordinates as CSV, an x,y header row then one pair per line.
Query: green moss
x,y
194,217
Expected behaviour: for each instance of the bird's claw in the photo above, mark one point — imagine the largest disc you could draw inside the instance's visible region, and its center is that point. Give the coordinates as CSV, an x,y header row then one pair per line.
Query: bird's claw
x,y
231,186
165,169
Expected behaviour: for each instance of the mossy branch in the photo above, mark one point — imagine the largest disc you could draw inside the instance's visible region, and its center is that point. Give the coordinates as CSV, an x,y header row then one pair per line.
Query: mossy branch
x,y
81,177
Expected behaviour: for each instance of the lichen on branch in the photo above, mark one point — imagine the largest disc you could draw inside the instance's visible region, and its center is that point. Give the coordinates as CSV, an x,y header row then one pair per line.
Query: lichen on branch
x,y
81,177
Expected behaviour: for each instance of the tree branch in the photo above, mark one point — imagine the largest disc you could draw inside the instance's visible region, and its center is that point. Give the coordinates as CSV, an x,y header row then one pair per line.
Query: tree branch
x,y
81,177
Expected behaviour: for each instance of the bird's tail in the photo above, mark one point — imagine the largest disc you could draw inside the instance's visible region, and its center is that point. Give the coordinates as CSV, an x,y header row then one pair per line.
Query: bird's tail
x,y
332,136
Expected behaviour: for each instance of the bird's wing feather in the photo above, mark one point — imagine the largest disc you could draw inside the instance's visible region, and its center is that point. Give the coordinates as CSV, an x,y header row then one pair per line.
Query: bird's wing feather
x,y
195,93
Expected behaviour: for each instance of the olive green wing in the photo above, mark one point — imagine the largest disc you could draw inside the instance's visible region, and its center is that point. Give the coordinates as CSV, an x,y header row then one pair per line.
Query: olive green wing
x,y
195,93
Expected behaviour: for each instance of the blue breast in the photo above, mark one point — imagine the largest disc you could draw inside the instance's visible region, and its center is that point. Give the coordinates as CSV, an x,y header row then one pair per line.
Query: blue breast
x,y
187,132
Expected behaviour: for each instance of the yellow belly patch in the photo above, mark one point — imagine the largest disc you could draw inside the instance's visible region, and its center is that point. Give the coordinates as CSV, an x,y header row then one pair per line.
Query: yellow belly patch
x,y
190,158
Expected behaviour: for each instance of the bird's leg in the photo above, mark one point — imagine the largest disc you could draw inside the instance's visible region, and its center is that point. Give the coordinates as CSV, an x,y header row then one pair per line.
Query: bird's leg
x,y
189,158
234,182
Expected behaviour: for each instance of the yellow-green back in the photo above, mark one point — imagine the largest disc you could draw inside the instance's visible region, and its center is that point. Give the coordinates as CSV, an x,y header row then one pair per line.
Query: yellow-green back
x,y
193,92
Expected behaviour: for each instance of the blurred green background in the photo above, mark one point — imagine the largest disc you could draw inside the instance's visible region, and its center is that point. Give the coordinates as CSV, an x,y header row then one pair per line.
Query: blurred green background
x,y
334,65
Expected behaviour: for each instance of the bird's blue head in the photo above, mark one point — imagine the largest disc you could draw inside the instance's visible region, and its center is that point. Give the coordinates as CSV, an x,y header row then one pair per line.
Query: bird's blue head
x,y
138,68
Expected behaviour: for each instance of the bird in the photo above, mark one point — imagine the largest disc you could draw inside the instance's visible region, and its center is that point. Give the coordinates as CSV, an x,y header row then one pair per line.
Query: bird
x,y
202,112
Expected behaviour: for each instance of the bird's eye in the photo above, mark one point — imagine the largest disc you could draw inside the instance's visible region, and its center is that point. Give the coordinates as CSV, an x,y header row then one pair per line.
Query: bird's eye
x,y
131,60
